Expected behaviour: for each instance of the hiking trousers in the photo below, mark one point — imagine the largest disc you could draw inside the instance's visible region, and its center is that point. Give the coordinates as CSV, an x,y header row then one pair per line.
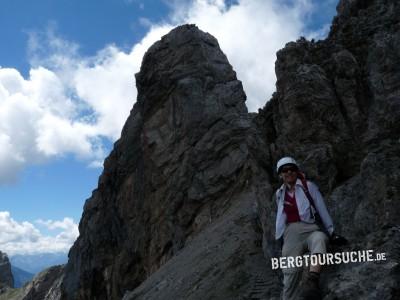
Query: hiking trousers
x,y
299,238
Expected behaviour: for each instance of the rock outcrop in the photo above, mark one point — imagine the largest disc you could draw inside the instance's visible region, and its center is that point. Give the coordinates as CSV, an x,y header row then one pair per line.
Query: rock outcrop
x,y
337,109
186,195
6,277
44,286
182,166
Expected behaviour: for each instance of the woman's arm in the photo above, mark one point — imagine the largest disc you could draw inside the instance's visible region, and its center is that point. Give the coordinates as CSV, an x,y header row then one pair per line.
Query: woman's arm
x,y
321,207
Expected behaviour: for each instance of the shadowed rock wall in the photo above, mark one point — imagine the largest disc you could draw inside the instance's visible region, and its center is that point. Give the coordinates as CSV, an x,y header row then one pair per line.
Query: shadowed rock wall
x,y
337,110
6,277
181,163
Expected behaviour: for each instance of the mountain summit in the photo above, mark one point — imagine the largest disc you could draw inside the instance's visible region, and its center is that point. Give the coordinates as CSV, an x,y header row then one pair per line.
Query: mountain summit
x,y
6,277
181,167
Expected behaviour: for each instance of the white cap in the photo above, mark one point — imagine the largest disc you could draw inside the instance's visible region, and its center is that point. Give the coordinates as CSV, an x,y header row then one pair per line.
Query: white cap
x,y
285,161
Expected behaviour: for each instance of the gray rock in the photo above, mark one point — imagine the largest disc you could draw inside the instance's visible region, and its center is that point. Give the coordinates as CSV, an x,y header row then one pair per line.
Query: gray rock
x,y
6,277
181,160
336,109
221,262
44,286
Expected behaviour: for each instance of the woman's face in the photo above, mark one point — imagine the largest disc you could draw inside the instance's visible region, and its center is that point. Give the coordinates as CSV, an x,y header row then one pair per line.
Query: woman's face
x,y
289,174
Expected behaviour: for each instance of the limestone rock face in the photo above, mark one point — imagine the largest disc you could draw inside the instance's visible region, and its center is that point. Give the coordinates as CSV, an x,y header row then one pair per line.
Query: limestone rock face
x,y
337,110
6,277
44,286
186,195
181,163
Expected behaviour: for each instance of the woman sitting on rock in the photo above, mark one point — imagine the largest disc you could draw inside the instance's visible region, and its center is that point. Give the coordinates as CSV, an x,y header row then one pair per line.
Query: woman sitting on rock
x,y
299,204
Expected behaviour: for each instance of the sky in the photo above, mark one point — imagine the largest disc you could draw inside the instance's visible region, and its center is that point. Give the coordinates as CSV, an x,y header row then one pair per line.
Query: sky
x,y
67,85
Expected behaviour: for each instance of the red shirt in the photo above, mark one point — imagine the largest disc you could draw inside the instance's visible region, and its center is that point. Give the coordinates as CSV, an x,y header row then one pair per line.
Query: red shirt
x,y
290,208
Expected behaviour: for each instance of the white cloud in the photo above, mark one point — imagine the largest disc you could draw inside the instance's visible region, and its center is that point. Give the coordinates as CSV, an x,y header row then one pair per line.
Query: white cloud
x,y
38,121
25,238
66,224
69,103
11,162
250,33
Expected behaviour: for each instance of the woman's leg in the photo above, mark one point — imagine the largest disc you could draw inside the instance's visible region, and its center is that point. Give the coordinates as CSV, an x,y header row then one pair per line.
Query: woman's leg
x,y
317,244
293,245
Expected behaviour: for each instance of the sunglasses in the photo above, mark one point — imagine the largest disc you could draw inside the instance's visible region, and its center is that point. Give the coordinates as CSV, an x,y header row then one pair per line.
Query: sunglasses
x,y
287,169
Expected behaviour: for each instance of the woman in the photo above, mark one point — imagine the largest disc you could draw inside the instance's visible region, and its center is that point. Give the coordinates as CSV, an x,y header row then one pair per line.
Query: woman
x,y
296,224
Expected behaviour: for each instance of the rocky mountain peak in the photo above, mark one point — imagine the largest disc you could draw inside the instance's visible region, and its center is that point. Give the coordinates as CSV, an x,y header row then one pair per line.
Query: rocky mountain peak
x,y
6,277
185,53
181,152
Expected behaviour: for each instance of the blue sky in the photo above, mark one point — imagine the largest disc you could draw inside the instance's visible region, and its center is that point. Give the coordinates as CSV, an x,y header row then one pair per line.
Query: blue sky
x,y
91,23
67,85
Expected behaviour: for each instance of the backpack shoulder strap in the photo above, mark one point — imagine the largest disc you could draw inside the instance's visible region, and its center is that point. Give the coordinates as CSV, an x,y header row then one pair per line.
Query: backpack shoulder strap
x,y
305,189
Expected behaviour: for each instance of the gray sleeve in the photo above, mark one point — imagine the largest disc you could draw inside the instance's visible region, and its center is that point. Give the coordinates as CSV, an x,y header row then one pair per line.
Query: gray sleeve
x,y
321,207
277,197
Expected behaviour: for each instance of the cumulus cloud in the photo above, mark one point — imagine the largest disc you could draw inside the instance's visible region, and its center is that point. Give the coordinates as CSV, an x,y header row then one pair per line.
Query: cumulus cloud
x,y
38,120
26,238
69,104
250,33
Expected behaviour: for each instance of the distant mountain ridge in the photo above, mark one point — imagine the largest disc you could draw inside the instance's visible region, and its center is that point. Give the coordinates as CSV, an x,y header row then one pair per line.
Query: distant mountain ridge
x,y
20,276
35,263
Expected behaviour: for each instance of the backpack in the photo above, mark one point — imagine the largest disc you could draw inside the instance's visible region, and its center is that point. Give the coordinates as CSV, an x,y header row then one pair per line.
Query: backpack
x,y
315,214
